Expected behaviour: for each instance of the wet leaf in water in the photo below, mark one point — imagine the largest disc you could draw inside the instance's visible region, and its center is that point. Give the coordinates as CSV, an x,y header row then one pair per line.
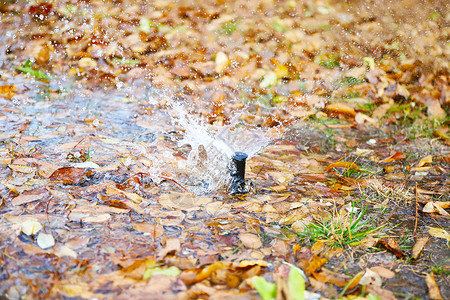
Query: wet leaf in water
x,y
27,198
45,240
21,168
31,227
8,91
68,175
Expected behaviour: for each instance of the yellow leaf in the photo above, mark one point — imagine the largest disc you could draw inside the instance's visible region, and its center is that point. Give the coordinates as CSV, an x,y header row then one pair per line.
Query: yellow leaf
x,y
341,108
21,168
343,164
426,160
439,233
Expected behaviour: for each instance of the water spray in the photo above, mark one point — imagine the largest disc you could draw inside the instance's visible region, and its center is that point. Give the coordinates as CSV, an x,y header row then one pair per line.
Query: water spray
x,y
237,173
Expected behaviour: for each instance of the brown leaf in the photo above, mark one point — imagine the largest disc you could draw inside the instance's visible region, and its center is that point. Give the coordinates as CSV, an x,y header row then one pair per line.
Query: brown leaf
x,y
381,111
22,199
418,246
102,218
391,245
383,272
380,292
172,246
433,289
338,279
68,175
250,240
155,230
436,111
182,71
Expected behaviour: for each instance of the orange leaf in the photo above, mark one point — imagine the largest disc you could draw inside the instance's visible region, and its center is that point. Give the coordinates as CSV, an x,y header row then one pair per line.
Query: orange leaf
x,y
343,164
394,157
316,263
68,175
341,108
206,272
8,91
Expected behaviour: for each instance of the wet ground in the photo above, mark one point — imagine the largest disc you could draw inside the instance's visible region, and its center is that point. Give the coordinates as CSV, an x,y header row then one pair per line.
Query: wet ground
x,y
91,153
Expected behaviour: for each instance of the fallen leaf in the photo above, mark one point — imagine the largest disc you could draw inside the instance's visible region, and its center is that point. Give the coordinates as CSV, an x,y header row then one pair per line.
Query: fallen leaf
x,y
383,272
432,207
426,160
394,157
170,271
155,230
222,62
68,175
31,227
381,111
8,91
21,168
341,108
391,245
439,233
172,246
418,246
343,164
102,218
64,250
267,290
182,201
315,264
207,271
436,111
433,289
380,292
45,240
22,199
250,240
371,277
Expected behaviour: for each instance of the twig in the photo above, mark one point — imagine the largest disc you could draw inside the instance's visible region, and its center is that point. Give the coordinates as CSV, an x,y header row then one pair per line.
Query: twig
x,y
417,213
174,181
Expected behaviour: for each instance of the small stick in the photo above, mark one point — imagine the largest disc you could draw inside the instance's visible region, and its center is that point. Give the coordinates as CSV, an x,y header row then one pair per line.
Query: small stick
x,y
417,213
174,181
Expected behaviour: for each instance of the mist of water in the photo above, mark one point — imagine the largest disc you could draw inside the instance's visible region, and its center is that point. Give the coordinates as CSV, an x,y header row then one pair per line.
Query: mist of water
x,y
209,160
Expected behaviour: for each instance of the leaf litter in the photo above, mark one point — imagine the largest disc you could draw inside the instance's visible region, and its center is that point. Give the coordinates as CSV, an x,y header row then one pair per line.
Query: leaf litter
x,y
350,199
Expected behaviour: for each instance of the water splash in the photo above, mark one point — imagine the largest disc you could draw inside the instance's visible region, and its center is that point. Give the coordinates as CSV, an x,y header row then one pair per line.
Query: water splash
x,y
208,163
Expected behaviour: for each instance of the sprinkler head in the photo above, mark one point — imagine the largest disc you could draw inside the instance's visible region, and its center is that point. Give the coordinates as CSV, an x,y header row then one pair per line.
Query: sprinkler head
x,y
237,173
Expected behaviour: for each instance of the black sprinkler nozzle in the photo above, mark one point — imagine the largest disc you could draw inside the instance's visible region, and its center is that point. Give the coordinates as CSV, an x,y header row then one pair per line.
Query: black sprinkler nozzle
x,y
237,173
